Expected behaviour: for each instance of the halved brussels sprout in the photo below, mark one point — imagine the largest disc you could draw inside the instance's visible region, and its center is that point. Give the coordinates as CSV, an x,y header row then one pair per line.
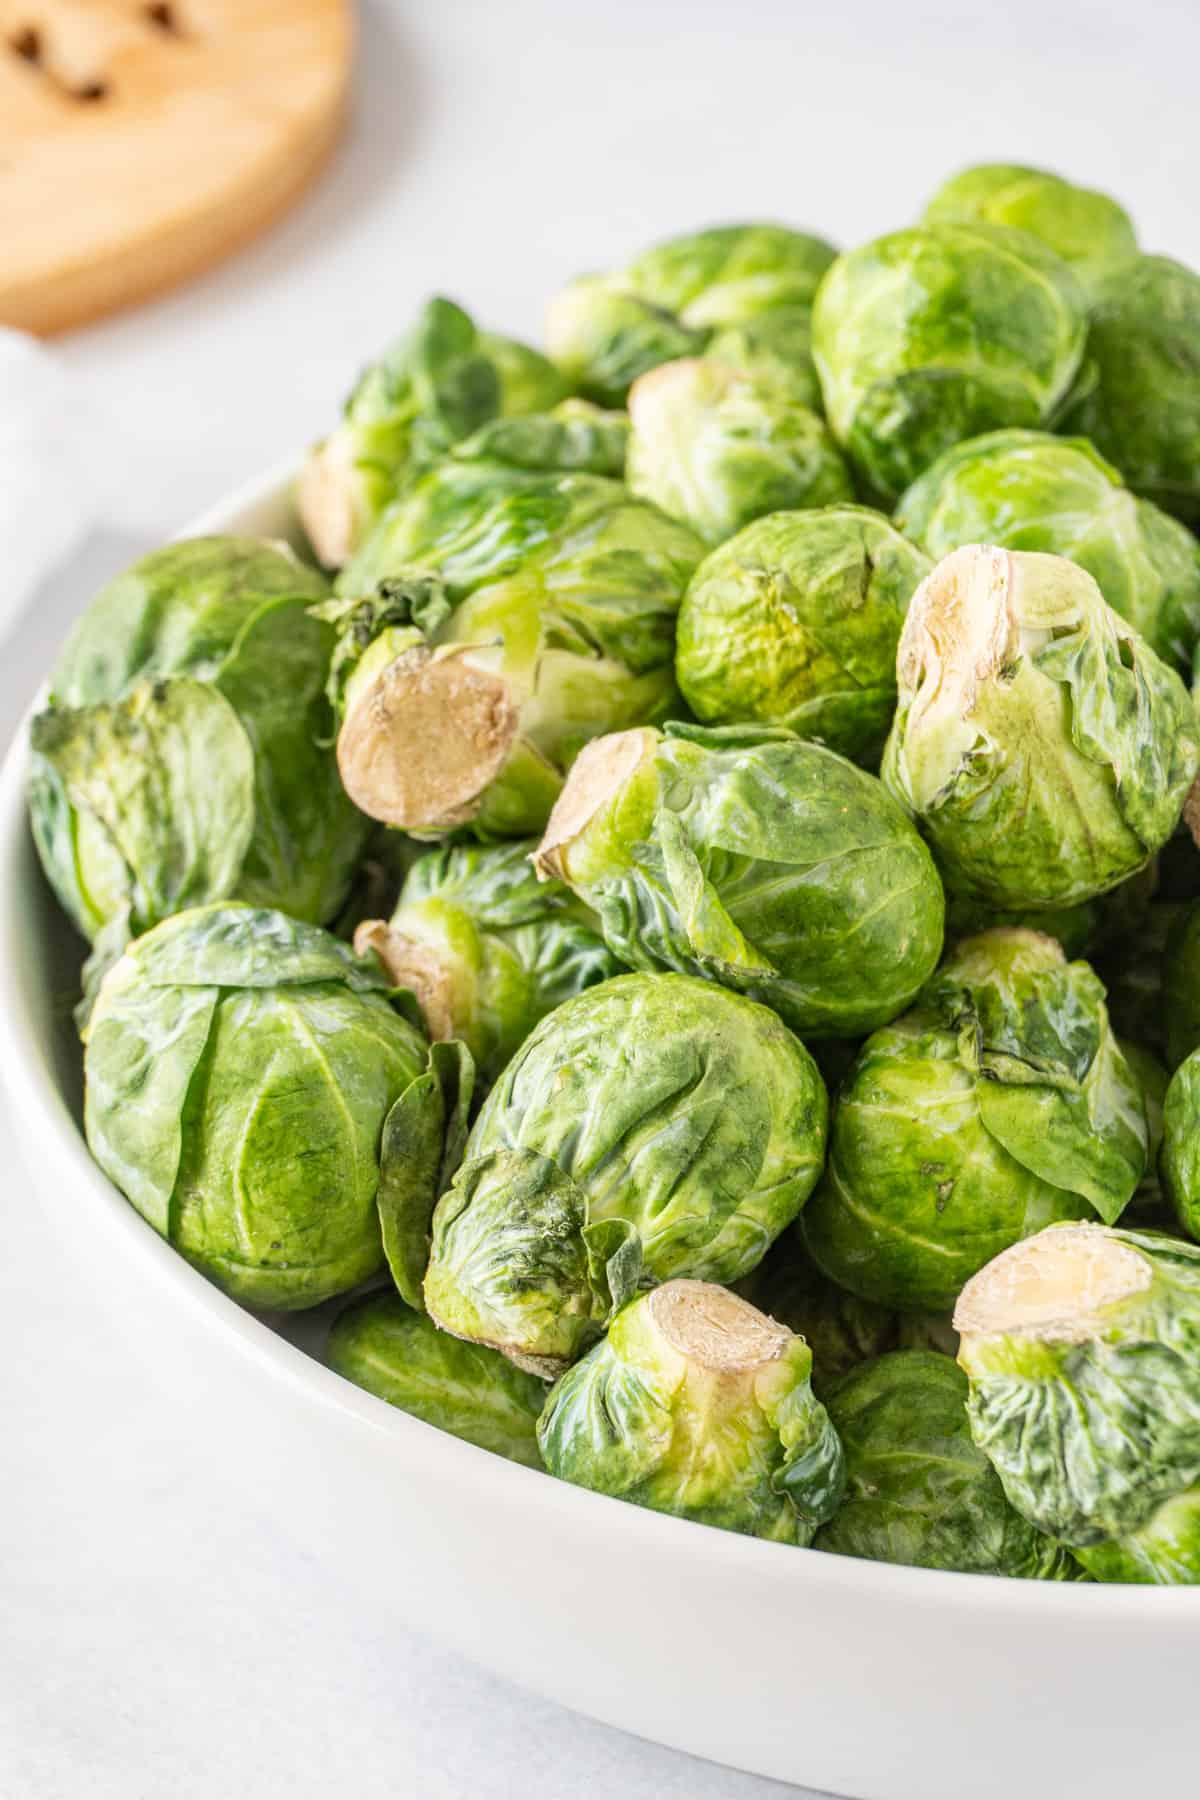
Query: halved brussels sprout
x,y
766,863
1027,490
487,949
698,1405
1138,394
1044,748
183,756
1002,1102
918,1491
1082,1348
717,446
251,1090
1087,229
795,622
399,1355
651,1127
938,333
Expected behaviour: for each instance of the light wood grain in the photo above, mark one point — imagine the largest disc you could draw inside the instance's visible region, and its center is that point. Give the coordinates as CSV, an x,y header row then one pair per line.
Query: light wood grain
x,y
139,145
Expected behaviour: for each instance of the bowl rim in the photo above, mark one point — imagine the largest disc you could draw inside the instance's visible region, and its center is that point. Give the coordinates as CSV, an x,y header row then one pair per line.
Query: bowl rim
x,y
35,1097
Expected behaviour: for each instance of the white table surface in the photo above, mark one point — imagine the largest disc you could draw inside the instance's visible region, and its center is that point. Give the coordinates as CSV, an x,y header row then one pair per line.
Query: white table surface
x,y
496,149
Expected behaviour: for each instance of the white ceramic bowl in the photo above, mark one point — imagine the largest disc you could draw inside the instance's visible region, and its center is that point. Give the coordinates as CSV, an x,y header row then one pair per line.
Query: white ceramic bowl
x,y
866,1680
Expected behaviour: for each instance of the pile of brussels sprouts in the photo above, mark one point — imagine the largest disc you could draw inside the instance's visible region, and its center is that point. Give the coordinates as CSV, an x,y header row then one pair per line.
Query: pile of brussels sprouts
x,y
675,904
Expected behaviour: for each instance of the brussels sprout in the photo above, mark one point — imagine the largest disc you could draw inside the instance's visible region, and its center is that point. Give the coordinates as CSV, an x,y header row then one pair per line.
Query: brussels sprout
x,y
1165,1551
1001,1103
1026,490
761,861
1082,1347
1087,229
695,1404
936,334
917,1489
182,757
840,1329
795,622
528,381
651,1127
774,346
1138,394
1044,748
251,1090
716,447
604,331
1148,1208
1180,1159
1132,970
574,436
487,949
496,620
399,1355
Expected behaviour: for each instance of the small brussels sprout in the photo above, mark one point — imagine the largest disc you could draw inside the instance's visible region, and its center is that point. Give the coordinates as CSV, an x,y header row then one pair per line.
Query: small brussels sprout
x,y
399,1355
1044,748
604,331
1001,1103
840,1329
716,447
1138,394
253,1093
1089,230
1027,490
487,949
698,1405
496,620
795,622
654,1126
936,334
1082,1348
756,859
183,756
918,1491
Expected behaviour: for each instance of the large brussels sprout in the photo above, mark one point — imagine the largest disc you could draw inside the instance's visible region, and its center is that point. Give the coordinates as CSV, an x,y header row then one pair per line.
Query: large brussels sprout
x,y
1043,747
1082,1347
604,331
487,949
399,1355
718,446
251,1090
654,1126
698,1405
918,1490
1138,394
1089,230
795,622
1001,1103
936,334
497,619
759,860
183,756
1027,490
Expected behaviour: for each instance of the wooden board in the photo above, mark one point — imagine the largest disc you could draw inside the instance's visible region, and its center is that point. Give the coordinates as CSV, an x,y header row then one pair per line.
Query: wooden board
x,y
142,140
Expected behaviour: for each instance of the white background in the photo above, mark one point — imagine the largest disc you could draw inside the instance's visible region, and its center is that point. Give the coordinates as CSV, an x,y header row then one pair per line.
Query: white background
x,y
496,150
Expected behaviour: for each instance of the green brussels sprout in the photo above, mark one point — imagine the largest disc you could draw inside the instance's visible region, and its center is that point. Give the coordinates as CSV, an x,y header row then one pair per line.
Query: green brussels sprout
x,y
399,1355
528,381
1082,1348
1148,1208
651,1127
1089,230
1138,394
604,331
795,622
574,436
696,1404
183,755
938,333
756,859
497,619
774,346
1026,490
1180,1159
840,1329
1001,1103
918,1491
716,447
1132,969
1041,744
487,949
252,1092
